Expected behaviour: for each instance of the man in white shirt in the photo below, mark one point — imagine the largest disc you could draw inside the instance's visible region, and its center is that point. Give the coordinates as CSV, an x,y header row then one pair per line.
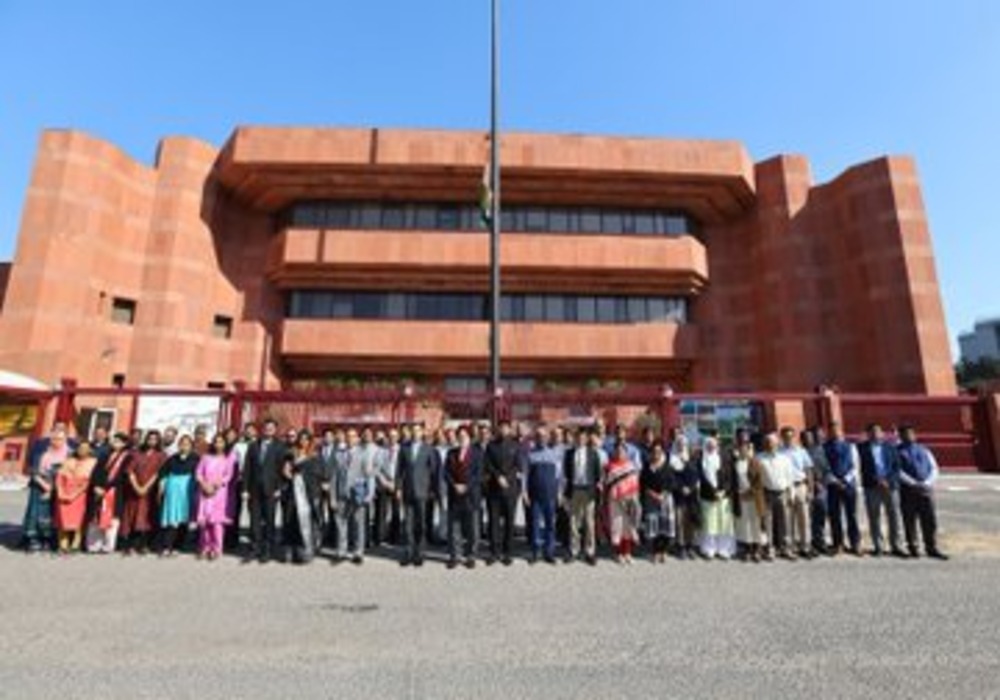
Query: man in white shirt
x,y
777,475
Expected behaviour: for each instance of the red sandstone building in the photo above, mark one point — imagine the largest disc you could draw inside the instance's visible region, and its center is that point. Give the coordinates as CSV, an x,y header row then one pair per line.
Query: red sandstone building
x,y
322,254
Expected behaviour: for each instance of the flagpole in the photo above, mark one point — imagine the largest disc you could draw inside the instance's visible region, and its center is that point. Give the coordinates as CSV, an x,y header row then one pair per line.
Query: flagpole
x,y
494,211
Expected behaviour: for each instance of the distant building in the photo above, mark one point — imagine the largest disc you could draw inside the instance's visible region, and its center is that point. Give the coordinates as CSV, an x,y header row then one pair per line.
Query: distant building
x,y
982,343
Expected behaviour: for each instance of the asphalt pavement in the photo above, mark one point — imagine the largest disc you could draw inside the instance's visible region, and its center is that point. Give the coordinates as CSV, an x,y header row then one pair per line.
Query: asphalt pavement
x,y
110,627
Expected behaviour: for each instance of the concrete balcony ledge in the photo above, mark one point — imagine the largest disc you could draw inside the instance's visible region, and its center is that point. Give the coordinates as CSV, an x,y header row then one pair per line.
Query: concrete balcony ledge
x,y
456,347
459,261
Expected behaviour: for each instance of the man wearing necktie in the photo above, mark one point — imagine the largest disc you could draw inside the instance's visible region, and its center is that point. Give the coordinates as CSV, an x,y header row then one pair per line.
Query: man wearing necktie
x,y
414,486
261,487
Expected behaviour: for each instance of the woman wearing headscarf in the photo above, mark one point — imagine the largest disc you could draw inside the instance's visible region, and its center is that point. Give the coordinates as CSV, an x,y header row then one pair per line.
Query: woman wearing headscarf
x,y
177,492
717,539
748,502
216,469
107,496
72,484
44,464
138,515
685,482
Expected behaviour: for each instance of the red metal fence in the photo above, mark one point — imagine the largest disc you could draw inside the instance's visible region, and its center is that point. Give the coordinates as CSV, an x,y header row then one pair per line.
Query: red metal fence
x,y
958,428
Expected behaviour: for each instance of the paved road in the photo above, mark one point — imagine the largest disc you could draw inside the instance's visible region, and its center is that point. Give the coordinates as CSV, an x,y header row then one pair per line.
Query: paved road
x,y
147,628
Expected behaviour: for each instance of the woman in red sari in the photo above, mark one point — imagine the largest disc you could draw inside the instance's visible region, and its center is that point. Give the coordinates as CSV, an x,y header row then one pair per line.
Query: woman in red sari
x,y
72,484
138,515
108,496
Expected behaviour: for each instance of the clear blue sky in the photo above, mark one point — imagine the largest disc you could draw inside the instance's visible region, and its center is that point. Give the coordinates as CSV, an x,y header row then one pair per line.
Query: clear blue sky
x,y
840,82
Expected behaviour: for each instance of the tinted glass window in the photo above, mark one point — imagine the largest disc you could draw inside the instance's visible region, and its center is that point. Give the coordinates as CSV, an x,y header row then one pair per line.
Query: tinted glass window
x,y
466,216
448,218
536,220
559,220
338,215
657,309
612,222
534,308
590,221
645,223
605,310
342,306
555,309
393,217
425,217
539,308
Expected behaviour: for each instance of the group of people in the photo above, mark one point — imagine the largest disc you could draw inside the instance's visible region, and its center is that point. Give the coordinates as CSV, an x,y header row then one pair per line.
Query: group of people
x,y
756,498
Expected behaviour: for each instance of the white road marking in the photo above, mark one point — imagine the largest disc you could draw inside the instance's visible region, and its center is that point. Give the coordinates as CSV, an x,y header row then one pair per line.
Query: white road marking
x,y
959,488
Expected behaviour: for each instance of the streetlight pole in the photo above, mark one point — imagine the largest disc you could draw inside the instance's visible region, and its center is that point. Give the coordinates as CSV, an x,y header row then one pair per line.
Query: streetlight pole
x,y
494,210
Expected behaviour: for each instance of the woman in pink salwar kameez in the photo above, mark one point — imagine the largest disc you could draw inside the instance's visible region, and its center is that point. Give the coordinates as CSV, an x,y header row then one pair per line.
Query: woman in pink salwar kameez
x,y
214,472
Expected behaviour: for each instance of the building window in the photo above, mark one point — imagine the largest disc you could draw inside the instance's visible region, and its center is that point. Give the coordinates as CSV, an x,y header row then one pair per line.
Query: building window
x,y
222,327
517,218
123,311
216,386
514,308
534,308
118,381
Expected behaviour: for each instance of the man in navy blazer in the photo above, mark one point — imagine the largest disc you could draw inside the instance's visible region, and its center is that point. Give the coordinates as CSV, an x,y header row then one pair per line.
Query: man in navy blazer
x,y
880,481
415,478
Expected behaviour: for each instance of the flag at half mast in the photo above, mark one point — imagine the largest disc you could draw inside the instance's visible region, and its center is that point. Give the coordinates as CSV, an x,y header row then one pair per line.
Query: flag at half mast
x,y
486,189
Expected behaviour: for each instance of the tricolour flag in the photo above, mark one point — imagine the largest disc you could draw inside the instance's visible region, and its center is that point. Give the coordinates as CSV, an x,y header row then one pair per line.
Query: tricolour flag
x,y
486,194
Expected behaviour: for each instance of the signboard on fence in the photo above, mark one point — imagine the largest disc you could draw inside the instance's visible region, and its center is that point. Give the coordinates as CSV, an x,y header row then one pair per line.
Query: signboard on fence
x,y
17,419
186,413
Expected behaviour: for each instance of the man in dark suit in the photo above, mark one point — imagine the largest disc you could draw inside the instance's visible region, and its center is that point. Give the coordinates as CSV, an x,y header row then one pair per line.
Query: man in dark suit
x,y
261,484
582,474
880,480
483,436
501,480
328,458
414,477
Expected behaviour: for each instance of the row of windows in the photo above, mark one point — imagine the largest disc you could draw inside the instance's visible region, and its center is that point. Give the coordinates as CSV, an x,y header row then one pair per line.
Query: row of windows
x,y
123,312
549,308
456,217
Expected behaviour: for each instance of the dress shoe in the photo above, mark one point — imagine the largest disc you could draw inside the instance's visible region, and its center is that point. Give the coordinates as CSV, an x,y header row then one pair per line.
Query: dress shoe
x,y
357,560
470,563
900,554
507,561
592,560
533,559
937,554
419,561
452,563
549,559
405,561
490,561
